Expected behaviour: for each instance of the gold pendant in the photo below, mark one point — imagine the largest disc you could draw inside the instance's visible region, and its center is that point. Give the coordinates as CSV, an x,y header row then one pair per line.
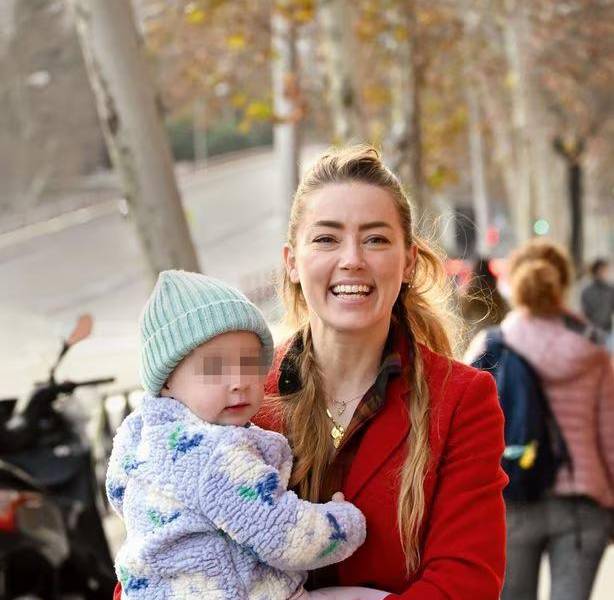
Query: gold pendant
x,y
337,432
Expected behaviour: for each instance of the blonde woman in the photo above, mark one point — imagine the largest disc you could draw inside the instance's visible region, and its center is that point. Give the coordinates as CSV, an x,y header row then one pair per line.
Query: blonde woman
x,y
573,523
370,399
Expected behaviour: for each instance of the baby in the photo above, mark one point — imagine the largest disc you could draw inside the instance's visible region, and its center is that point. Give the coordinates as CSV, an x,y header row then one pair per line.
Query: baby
x,y
202,491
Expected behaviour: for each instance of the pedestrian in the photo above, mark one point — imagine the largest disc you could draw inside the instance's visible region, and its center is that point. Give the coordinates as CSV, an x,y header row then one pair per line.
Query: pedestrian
x,y
201,490
481,303
571,523
370,399
598,298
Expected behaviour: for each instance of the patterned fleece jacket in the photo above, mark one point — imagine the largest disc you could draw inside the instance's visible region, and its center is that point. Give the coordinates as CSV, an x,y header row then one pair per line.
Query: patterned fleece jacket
x,y
207,512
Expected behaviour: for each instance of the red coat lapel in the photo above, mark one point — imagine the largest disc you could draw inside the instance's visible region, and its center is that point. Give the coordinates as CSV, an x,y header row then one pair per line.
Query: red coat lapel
x,y
388,430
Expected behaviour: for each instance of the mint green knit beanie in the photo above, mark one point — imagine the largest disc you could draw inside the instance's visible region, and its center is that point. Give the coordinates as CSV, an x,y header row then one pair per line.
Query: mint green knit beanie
x,y
185,310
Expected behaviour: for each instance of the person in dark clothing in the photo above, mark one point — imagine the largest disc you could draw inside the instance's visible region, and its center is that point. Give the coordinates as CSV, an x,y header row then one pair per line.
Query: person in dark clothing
x,y
598,297
481,304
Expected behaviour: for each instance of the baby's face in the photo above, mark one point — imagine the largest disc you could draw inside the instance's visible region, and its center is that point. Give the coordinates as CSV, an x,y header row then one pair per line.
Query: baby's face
x,y
221,381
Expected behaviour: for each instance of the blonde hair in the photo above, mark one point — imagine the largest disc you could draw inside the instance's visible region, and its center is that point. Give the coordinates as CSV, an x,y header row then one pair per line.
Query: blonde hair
x,y
540,274
420,307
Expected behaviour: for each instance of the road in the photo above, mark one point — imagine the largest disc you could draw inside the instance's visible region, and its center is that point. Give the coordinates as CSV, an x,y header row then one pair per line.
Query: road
x,y
91,261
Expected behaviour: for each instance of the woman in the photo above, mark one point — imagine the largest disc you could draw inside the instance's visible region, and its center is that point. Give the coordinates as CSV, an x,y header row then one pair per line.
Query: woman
x,y
481,304
572,525
370,399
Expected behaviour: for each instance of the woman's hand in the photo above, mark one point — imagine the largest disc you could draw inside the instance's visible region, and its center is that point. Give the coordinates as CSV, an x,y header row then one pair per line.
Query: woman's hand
x,y
338,497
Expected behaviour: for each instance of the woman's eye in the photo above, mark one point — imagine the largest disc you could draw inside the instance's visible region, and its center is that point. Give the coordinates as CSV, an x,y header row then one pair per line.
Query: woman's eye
x,y
324,239
377,239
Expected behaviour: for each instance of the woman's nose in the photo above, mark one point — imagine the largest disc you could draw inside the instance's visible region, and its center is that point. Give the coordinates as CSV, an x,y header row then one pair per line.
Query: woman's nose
x,y
352,257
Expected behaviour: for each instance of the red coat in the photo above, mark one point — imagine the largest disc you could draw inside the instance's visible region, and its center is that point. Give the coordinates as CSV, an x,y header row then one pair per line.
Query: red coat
x,y
463,537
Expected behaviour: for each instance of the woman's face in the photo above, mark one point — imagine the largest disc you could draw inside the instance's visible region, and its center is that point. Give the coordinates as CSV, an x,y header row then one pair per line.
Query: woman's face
x,y
350,257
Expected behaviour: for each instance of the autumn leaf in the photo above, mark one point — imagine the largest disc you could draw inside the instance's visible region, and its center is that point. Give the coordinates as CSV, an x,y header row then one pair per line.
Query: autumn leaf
x,y
236,41
259,110
194,14
238,100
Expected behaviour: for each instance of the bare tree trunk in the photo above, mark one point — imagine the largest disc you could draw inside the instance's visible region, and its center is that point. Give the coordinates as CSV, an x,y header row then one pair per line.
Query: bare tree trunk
x,y
22,172
504,152
478,179
544,201
339,48
572,152
132,124
479,197
286,133
405,142
522,209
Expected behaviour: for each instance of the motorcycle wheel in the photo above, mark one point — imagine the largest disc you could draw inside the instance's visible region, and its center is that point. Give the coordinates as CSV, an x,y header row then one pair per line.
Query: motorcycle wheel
x,y
29,576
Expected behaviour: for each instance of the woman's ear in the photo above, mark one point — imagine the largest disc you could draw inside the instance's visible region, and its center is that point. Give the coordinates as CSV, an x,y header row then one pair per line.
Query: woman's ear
x,y
290,264
411,255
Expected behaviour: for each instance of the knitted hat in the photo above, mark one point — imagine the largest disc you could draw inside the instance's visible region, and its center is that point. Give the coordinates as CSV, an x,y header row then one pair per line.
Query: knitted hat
x,y
185,310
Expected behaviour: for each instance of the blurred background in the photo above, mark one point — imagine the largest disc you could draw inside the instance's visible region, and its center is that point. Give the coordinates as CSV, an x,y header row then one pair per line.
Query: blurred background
x,y
144,135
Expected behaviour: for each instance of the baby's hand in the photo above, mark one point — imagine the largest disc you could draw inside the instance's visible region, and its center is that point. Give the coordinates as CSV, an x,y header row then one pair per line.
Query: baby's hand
x,y
338,497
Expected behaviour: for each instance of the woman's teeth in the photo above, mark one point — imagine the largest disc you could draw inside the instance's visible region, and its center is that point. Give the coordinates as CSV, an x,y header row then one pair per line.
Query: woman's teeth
x,y
362,290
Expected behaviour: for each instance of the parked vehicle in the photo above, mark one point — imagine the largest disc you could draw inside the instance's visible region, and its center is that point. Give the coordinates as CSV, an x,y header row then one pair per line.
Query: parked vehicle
x,y
52,542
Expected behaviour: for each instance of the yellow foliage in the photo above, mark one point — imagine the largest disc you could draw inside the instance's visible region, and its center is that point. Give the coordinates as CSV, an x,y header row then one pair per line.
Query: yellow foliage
x,y
259,110
236,41
304,15
238,100
400,34
244,126
366,30
439,177
194,14
511,79
303,11
376,95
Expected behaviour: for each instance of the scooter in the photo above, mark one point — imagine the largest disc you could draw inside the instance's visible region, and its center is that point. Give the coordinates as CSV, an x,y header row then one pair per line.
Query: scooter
x,y
52,542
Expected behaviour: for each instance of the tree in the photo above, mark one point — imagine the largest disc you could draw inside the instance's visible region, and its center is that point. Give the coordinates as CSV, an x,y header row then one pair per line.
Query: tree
x,y
49,131
335,18
404,143
576,66
131,120
286,98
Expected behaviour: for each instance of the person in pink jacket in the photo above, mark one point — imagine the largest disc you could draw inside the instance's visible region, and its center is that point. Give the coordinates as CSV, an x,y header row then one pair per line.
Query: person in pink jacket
x,y
573,523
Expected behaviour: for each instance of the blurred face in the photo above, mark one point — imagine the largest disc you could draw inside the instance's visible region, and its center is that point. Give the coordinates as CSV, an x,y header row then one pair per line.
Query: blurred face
x,y
350,257
602,272
221,381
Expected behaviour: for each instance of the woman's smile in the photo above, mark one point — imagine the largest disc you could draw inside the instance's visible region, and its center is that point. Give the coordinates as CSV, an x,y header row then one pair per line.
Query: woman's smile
x,y
352,293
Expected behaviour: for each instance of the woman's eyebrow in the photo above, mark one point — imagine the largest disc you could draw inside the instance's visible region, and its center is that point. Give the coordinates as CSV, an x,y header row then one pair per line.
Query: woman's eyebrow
x,y
363,227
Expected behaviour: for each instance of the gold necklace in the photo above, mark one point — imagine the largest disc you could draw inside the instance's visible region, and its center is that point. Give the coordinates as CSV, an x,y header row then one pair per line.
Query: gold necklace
x,y
337,432
344,403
